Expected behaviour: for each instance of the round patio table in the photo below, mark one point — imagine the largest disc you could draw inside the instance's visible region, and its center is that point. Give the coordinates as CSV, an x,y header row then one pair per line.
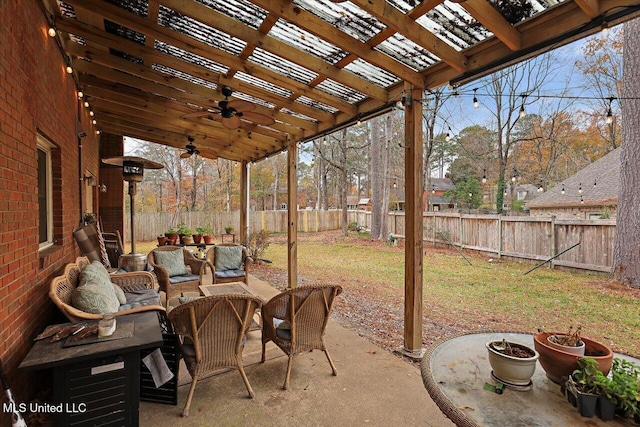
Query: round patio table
x,y
454,372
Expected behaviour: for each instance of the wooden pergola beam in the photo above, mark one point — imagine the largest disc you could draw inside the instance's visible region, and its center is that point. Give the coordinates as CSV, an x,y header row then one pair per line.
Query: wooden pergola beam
x,y
488,16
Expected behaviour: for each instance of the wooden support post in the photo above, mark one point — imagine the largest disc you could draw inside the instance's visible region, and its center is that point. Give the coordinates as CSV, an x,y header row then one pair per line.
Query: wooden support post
x,y
244,203
553,241
414,226
292,214
499,236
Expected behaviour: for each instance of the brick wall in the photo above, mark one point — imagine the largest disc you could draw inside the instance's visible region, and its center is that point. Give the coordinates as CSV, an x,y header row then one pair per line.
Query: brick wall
x,y
36,96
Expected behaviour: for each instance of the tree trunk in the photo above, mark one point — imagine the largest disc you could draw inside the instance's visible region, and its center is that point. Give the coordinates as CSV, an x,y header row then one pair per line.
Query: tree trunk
x,y
626,257
377,177
386,151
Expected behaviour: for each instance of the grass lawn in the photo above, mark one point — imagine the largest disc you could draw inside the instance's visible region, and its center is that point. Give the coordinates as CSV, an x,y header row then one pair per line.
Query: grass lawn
x,y
458,297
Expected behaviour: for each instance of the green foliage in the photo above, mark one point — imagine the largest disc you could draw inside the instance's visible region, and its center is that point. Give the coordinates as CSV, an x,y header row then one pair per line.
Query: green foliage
x,y
605,214
258,243
183,229
467,194
353,226
171,230
517,205
228,228
205,231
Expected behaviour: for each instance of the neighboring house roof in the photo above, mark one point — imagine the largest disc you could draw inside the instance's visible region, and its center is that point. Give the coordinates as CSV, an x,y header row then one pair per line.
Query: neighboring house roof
x,y
439,200
604,172
531,191
363,201
441,184
352,200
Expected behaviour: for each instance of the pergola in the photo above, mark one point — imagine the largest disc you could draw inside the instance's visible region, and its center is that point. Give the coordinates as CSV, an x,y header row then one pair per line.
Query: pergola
x,y
311,67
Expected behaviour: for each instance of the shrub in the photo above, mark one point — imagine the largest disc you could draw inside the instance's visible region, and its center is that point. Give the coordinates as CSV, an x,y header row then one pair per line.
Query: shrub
x,y
258,243
352,226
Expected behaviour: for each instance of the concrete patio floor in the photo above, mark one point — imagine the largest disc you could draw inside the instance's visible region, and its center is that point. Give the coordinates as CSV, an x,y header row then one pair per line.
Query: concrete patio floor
x,y
373,388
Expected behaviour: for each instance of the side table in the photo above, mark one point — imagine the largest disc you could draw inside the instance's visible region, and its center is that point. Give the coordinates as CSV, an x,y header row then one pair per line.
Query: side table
x,y
228,235
98,383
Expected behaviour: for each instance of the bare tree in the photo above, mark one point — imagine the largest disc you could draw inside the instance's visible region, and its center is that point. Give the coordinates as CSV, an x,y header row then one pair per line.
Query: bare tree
x,y
626,257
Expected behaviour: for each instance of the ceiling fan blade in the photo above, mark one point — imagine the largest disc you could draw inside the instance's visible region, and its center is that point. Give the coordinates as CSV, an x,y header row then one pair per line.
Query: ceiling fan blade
x,y
185,155
241,105
258,118
197,114
232,122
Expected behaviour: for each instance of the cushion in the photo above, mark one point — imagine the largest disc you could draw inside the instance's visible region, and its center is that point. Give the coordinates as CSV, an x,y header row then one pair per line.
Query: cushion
x,y
140,298
122,299
95,292
228,257
172,261
283,329
226,274
184,278
95,298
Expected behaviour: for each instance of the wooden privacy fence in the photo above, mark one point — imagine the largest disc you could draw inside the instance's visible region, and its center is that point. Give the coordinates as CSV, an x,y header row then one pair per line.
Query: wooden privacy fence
x,y
529,238
150,225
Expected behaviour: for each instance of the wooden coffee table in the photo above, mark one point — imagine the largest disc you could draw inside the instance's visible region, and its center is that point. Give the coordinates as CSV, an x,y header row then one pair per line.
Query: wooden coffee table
x,y
233,288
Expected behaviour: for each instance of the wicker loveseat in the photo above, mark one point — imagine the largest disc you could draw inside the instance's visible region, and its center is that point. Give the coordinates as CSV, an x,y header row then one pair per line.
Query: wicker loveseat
x,y
135,286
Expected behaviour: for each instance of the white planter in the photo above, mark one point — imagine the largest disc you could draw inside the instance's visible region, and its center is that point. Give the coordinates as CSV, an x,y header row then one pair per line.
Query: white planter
x,y
579,350
509,369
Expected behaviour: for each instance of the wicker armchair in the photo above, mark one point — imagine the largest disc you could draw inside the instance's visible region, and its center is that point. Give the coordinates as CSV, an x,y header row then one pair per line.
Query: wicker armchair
x,y
174,285
298,327
211,331
62,287
225,275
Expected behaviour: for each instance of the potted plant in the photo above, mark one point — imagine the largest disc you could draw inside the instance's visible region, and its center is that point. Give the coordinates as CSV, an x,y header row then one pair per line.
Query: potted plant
x,y
559,364
584,386
197,237
570,342
512,363
185,234
162,240
172,236
624,387
206,234
228,229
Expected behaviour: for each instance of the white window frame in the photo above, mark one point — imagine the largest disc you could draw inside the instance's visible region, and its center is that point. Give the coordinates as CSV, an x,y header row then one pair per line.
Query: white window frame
x,y
46,147
521,195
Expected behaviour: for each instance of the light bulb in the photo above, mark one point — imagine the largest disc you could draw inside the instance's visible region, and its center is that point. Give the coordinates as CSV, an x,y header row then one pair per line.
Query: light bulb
x,y
604,30
91,113
522,112
580,189
359,123
581,199
475,102
69,69
562,189
447,137
609,118
80,94
51,31
98,132
94,122
86,104
513,178
484,179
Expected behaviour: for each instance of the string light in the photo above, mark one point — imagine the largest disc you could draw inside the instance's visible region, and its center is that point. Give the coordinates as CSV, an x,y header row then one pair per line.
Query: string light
x,y
433,189
604,30
475,98
594,183
580,189
91,113
51,31
447,137
581,199
69,69
484,176
80,94
540,188
562,189
94,122
514,176
86,104
97,131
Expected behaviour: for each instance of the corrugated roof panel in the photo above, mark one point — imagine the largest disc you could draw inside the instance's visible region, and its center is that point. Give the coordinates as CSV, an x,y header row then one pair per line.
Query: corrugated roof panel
x,y
184,76
190,57
253,99
270,87
343,92
67,10
345,16
315,104
301,116
305,41
370,72
240,10
282,66
139,7
407,52
127,33
455,25
199,31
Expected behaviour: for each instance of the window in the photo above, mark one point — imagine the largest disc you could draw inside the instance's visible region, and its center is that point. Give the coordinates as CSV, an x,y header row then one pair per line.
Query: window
x,y
45,193
283,206
521,195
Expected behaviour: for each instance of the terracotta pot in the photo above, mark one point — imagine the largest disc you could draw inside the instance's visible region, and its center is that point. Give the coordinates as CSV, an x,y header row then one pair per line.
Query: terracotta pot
x,y
171,242
208,240
514,370
558,364
162,240
197,238
186,240
172,236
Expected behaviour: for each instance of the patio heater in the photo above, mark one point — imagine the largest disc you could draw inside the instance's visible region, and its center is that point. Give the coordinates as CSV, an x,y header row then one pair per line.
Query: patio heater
x,y
132,172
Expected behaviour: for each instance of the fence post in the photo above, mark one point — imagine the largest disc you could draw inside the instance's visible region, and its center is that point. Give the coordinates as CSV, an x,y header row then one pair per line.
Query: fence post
x,y
460,229
499,236
433,235
553,241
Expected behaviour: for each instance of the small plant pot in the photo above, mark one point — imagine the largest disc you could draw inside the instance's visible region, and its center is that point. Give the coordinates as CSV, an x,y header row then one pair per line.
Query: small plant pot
x,y
197,238
162,240
606,409
577,350
207,240
186,240
587,403
510,369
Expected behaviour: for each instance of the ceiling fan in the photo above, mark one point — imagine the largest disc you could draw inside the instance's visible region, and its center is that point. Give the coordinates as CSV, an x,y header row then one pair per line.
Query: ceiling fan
x,y
190,149
232,111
